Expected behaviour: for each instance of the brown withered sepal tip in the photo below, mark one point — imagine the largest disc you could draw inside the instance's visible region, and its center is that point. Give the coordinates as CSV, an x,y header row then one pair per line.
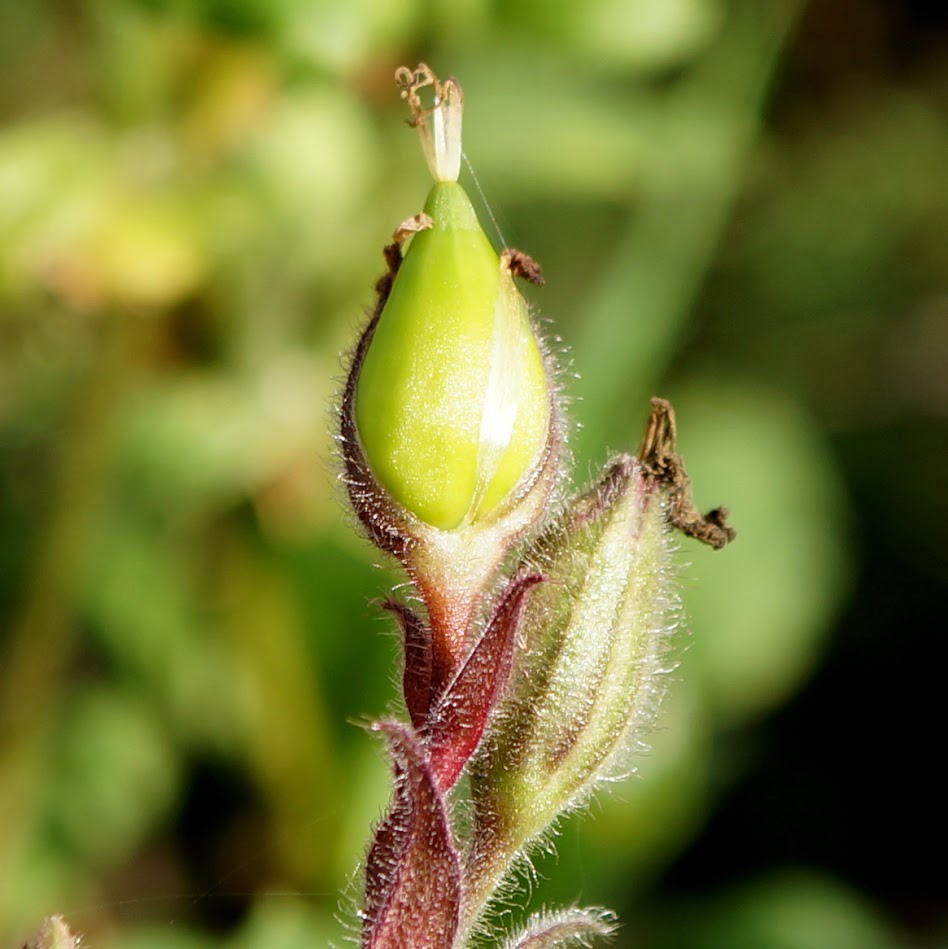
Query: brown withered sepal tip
x,y
523,265
662,463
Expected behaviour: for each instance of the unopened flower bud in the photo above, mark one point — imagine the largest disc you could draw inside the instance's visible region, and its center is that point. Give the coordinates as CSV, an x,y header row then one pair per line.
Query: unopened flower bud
x,y
587,680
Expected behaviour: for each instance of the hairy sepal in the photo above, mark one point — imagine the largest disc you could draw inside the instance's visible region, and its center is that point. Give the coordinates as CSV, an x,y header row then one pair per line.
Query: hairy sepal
x,y
567,927
413,871
422,679
457,721
55,934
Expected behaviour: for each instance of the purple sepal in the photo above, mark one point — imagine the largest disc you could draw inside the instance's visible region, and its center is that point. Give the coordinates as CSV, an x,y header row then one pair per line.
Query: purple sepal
x,y
413,871
458,718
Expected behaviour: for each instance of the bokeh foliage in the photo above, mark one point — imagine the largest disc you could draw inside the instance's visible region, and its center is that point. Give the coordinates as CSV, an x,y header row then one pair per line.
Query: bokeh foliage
x,y
731,208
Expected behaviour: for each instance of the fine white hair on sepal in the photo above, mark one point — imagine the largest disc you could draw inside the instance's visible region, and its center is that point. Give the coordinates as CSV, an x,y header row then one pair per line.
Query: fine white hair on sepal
x,y
565,927
590,675
348,914
56,934
510,893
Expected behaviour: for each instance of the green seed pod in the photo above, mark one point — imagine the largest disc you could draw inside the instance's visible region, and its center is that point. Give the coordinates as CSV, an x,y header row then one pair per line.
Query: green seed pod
x,y
452,402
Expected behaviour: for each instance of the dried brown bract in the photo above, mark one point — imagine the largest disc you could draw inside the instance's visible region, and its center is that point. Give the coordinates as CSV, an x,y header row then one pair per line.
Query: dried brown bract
x,y
665,466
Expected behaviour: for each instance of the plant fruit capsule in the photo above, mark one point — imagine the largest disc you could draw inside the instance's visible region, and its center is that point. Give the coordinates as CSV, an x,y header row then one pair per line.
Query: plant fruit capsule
x,y
453,404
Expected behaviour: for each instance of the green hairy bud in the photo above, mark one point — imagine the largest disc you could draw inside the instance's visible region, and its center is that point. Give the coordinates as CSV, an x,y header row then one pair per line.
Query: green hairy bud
x,y
588,680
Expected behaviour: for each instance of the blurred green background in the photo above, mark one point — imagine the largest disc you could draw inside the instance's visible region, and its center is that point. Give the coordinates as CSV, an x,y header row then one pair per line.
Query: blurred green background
x,y
740,205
